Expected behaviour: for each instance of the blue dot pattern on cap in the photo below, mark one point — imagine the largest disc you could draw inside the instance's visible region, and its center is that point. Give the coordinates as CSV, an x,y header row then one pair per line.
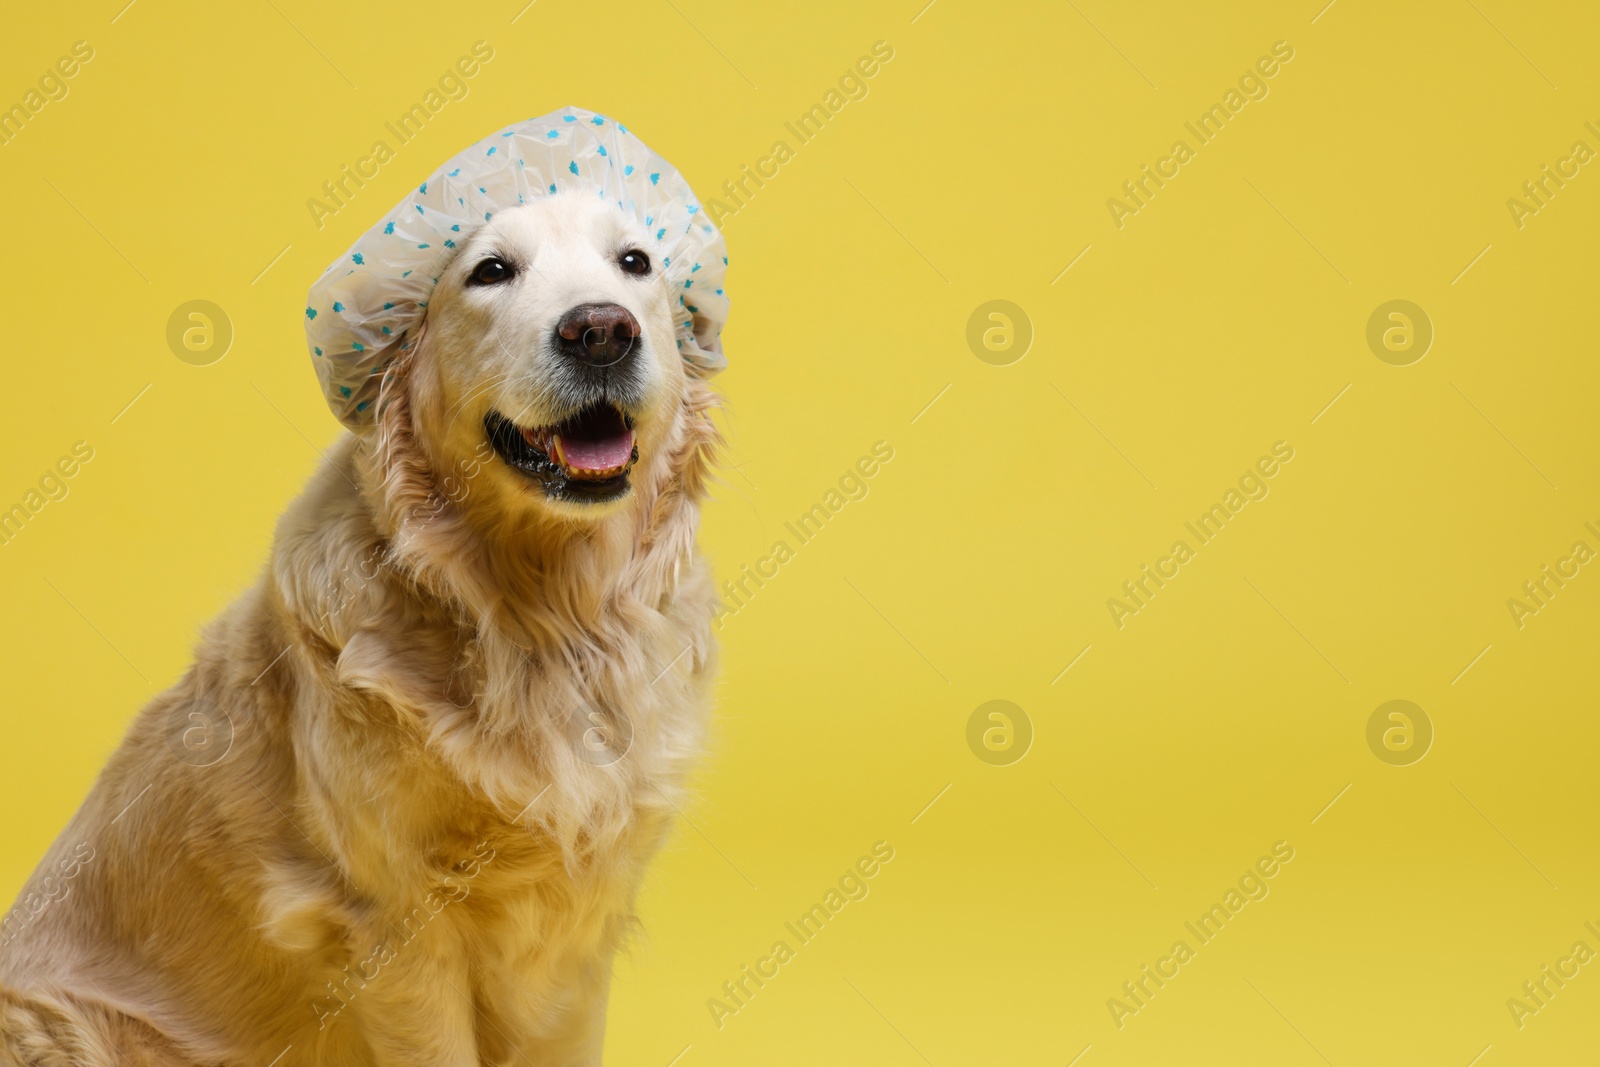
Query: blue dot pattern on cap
x,y
365,307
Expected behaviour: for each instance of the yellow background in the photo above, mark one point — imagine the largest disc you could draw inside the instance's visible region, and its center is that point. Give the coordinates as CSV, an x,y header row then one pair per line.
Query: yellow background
x,y
1223,317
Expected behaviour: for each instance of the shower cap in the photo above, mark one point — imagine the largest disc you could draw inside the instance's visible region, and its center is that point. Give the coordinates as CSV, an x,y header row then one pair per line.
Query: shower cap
x,y
365,308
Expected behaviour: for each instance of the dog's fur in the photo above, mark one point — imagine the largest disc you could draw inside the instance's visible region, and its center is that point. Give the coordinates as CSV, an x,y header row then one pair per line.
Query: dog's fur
x,y
410,853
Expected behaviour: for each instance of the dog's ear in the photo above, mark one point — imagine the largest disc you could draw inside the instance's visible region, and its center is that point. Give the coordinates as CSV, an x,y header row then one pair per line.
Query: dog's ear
x,y
399,468
393,366
703,357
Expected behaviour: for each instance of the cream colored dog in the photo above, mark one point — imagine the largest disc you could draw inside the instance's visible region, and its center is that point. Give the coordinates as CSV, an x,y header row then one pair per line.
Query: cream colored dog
x,y
398,810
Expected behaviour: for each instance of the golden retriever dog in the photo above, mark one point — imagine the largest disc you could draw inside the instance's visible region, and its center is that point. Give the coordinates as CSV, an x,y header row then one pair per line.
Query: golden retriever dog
x,y
398,810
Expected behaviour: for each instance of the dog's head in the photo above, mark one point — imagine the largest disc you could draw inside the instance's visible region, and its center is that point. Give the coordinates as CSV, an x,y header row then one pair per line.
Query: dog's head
x,y
547,378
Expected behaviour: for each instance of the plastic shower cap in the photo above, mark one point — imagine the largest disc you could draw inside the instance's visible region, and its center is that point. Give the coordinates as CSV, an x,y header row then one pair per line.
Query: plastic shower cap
x,y
363,310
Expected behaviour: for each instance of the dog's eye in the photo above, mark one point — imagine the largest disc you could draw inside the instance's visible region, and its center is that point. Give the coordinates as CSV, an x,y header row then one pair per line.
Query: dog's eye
x,y
634,261
491,271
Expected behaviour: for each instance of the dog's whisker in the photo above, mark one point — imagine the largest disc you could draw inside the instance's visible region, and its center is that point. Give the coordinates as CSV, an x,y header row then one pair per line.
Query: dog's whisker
x,y
457,408
499,379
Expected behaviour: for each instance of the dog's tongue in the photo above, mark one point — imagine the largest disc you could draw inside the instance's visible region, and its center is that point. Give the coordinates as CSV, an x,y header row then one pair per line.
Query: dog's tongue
x,y
602,455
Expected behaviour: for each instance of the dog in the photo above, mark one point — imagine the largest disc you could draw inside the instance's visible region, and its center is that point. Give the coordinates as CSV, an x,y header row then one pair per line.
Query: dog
x,y
398,810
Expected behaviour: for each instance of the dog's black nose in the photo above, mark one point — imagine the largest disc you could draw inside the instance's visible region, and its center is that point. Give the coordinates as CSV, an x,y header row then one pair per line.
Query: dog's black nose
x,y
600,335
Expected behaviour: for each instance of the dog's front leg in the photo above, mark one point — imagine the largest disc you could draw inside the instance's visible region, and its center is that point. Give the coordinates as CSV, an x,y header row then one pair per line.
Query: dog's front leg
x,y
416,1008
581,1040
566,1030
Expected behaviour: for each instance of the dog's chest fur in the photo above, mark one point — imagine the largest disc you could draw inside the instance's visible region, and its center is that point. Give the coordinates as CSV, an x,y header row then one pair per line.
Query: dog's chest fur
x,y
494,798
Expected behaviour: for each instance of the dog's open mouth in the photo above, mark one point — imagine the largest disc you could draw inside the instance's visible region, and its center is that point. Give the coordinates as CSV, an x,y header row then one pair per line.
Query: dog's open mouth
x,y
585,457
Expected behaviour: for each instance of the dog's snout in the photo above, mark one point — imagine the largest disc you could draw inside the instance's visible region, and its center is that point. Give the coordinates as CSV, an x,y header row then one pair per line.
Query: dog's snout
x,y
599,335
